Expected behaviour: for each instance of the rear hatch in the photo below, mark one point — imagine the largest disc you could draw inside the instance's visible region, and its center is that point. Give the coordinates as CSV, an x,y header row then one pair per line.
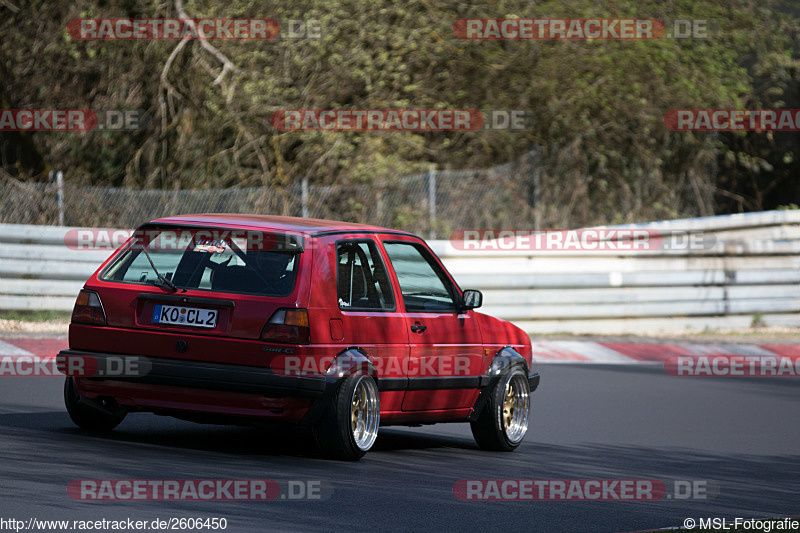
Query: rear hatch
x,y
209,287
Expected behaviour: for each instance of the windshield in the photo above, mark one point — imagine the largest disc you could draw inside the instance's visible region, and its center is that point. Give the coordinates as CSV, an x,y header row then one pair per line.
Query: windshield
x,y
209,259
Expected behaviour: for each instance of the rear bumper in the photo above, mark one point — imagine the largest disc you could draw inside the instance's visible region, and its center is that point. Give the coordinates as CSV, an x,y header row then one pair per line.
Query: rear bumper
x,y
207,376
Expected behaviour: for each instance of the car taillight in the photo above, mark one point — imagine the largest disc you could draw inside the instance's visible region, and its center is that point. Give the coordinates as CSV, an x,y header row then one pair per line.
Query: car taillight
x,y
89,309
288,326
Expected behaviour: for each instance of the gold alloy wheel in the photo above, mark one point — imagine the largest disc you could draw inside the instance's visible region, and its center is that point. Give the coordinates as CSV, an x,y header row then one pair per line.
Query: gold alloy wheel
x,y
364,413
516,407
508,406
357,409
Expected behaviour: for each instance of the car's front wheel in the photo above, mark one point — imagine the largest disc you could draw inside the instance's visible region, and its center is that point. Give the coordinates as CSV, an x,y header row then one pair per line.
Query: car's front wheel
x,y
502,424
349,426
87,417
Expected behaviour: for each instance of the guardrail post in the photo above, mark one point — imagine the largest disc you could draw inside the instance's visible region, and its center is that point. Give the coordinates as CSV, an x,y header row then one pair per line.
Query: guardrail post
x,y
537,198
304,196
60,184
58,177
432,200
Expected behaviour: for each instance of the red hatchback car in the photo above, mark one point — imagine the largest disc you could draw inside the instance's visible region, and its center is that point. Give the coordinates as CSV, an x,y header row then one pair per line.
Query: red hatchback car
x,y
248,319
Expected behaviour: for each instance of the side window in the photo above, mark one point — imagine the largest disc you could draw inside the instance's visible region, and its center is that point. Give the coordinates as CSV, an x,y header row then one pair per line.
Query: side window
x,y
362,282
423,285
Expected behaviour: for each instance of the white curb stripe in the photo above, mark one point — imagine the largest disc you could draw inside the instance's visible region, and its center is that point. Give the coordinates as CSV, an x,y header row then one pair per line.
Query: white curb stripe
x,y
7,349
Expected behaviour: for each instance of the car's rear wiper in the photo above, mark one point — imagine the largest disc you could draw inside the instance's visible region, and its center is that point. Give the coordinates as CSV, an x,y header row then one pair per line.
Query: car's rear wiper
x,y
164,281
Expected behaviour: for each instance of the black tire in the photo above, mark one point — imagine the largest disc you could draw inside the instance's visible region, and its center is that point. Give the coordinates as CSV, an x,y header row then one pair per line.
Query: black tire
x,y
502,424
349,426
87,418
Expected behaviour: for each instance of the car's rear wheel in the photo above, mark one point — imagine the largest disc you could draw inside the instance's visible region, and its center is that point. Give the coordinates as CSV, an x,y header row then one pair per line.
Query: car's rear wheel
x,y
88,417
349,426
503,423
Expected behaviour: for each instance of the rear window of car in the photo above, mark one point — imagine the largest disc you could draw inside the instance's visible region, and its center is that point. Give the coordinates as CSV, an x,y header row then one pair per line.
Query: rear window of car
x,y
211,259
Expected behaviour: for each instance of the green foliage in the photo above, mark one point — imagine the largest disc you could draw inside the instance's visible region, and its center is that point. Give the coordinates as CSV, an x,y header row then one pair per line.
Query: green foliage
x,y
598,105
36,316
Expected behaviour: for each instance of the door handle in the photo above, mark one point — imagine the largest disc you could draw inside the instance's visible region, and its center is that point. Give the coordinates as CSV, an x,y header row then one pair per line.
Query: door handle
x,y
418,328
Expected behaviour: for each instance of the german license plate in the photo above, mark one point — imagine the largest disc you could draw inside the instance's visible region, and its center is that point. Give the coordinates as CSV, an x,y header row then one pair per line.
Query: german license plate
x,y
184,316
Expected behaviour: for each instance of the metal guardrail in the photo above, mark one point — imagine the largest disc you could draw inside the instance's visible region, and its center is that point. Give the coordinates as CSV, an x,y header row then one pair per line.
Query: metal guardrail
x,y
750,275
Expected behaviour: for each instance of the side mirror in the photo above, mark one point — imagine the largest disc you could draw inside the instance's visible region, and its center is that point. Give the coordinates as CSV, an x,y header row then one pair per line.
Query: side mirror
x,y
471,299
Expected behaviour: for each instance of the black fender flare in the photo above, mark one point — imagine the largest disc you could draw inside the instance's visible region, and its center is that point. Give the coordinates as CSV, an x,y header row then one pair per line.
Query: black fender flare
x,y
505,358
352,360
349,362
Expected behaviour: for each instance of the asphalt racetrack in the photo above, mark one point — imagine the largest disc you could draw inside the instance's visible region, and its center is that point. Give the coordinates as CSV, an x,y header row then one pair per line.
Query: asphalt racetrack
x,y
734,440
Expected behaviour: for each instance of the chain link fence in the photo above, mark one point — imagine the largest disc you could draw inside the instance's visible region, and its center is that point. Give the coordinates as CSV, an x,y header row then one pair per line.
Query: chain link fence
x,y
431,204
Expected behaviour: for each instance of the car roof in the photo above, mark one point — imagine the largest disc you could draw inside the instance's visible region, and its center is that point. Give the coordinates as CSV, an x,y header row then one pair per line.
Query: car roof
x,y
308,226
